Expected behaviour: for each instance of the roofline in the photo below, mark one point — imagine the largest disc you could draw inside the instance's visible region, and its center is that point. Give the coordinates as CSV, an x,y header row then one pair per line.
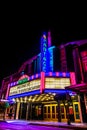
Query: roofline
x,y
77,42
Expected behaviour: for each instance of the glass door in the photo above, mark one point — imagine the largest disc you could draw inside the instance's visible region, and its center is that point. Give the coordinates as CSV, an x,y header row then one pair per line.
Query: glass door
x,y
54,113
76,107
63,113
50,112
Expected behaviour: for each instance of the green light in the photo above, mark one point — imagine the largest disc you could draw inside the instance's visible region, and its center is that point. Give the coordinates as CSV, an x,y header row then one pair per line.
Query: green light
x,y
23,81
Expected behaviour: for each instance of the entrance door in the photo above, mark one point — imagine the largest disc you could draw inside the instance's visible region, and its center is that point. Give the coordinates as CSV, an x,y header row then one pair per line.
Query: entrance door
x,y
37,112
51,112
63,113
76,107
23,108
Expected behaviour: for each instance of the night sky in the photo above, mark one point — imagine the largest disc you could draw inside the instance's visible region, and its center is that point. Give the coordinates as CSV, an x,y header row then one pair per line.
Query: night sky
x,y
21,32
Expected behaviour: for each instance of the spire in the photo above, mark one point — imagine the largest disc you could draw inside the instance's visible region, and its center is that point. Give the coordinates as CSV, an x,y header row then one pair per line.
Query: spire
x,y
49,39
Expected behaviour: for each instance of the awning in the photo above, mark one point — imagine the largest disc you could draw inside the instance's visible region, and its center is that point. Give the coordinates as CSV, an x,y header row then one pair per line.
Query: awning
x,y
79,88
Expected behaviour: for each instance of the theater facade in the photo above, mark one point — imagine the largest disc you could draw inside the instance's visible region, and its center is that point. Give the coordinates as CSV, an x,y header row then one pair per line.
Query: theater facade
x,y
38,88
35,97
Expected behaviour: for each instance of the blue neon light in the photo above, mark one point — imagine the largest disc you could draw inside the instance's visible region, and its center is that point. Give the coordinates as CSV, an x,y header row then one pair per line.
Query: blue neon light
x,y
67,74
54,74
50,58
56,91
43,52
60,74
51,47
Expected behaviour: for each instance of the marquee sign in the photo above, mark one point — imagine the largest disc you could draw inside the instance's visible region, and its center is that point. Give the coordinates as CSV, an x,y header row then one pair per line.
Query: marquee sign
x,y
26,87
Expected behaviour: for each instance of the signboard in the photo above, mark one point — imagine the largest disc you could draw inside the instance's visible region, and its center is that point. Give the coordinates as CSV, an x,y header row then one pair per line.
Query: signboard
x,y
57,83
26,87
43,53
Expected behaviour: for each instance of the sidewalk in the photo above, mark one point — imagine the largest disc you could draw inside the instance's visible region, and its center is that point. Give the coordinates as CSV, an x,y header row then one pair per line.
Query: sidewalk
x,y
60,124
75,126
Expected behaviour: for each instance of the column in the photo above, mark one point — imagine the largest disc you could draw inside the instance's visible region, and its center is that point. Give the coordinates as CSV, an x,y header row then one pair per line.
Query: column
x,y
17,110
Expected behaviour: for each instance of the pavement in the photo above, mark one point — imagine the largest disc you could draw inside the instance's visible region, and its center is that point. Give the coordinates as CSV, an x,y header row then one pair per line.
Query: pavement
x,y
75,126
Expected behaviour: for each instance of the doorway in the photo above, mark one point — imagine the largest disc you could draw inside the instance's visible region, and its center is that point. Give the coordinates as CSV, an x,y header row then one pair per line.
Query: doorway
x,y
51,112
76,107
63,112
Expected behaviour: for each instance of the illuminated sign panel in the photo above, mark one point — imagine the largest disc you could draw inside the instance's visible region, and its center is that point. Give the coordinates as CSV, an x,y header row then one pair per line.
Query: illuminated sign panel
x,y
26,87
50,50
43,53
57,83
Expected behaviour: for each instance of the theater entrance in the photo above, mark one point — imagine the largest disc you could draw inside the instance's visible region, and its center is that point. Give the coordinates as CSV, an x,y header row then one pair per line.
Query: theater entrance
x,y
51,112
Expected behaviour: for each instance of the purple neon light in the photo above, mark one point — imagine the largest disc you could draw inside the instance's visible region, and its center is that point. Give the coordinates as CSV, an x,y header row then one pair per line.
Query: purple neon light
x,y
32,76
36,75
50,73
64,74
49,39
57,73
28,78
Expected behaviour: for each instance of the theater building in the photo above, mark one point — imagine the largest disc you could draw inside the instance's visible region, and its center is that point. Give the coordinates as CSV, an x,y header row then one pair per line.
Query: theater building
x,y
38,88
80,67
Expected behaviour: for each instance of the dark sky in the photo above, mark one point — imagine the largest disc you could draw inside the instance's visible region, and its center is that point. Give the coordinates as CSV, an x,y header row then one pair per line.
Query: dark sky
x,y
21,32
